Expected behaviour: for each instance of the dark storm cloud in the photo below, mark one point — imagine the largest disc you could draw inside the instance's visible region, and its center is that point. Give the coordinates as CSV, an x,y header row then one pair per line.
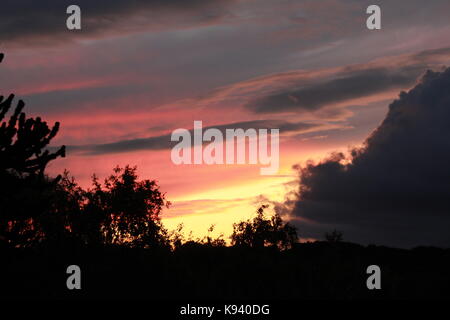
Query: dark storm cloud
x,y
164,141
346,86
31,21
395,191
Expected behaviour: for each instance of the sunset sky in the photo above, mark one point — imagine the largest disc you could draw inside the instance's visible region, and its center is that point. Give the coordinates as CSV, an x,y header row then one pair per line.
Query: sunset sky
x,y
138,70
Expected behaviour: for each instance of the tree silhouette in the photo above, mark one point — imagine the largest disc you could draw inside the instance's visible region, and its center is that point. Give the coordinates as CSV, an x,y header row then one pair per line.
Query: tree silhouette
x,y
122,210
25,191
22,139
334,236
262,232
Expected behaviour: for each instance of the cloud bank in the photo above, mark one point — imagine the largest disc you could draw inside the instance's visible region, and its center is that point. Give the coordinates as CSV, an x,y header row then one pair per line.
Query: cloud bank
x,y
395,189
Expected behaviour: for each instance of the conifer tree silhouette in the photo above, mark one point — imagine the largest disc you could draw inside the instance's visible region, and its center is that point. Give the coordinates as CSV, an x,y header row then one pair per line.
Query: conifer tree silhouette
x,y
26,192
23,139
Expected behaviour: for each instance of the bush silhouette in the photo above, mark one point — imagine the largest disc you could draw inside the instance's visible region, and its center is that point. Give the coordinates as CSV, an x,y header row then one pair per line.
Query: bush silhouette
x,y
334,236
263,232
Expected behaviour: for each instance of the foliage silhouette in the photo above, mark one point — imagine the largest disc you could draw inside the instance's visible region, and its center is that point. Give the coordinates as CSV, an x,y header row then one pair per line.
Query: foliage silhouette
x,y
36,208
262,232
122,211
25,191
178,240
334,236
22,140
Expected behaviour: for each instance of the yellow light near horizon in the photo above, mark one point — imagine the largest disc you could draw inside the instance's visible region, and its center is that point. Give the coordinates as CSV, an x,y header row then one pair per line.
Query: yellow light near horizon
x,y
242,199
223,222
243,205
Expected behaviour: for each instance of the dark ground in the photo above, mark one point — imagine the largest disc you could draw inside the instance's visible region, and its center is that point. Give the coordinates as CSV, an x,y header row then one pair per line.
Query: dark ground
x,y
318,270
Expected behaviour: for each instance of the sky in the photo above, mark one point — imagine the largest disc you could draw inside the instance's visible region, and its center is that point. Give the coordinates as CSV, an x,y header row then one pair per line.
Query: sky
x,y
138,70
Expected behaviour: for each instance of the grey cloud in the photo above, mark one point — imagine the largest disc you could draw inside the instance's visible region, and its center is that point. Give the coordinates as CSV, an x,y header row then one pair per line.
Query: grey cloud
x,y
346,86
66,99
39,22
395,190
163,142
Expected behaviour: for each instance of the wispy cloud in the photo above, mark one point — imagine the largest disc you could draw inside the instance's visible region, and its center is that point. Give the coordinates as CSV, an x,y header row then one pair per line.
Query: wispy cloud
x,y
164,141
29,22
299,91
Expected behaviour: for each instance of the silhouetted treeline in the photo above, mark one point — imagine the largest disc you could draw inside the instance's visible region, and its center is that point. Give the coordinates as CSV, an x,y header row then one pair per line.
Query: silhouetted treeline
x,y
37,210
